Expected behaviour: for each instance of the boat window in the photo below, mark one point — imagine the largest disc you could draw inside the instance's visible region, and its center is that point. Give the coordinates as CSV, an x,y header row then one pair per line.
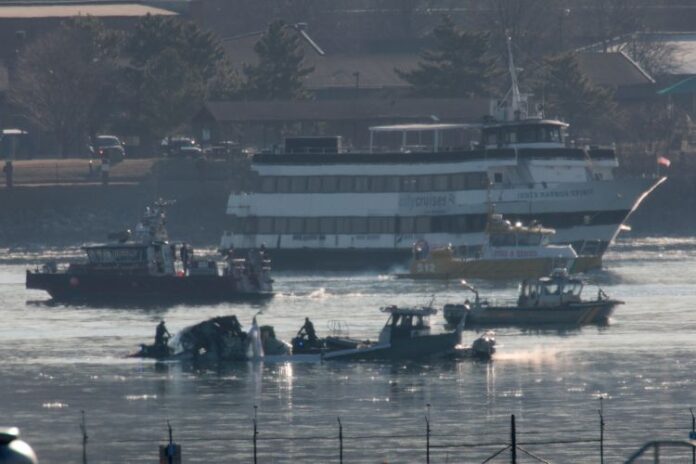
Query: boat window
x,y
502,240
314,184
265,225
425,183
498,177
280,225
361,183
377,184
551,289
298,184
422,225
329,184
327,225
295,225
249,225
491,138
283,184
311,225
129,255
511,136
527,134
458,181
441,182
551,134
476,180
392,184
409,184
529,239
268,184
345,184
359,225
407,225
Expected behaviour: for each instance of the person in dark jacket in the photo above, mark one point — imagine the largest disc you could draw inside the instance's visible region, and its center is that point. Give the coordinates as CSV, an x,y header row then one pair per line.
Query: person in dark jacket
x,y
162,335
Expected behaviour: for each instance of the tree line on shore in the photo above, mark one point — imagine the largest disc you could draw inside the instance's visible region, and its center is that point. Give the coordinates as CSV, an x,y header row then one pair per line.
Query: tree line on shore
x,y
83,78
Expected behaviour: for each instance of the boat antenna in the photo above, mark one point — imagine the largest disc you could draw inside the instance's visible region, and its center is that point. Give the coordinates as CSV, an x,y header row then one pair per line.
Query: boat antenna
x,y
516,98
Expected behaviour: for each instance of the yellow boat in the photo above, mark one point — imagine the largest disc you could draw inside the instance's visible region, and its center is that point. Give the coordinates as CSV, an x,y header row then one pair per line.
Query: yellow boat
x,y
511,251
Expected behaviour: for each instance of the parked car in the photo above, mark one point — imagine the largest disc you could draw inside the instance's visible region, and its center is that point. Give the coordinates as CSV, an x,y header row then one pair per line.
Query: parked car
x,y
108,146
180,147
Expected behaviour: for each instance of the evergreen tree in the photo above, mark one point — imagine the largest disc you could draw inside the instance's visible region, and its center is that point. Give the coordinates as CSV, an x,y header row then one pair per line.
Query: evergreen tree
x,y
459,64
280,70
171,66
570,94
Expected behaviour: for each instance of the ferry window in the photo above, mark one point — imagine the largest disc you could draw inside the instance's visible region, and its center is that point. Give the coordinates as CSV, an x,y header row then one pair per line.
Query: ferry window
x,y
477,180
459,224
498,177
441,182
314,184
268,184
458,181
329,184
249,225
345,184
422,225
280,225
298,184
361,183
378,184
407,225
343,225
374,225
283,184
327,225
392,184
311,226
359,225
409,184
512,136
295,225
265,225
476,223
425,183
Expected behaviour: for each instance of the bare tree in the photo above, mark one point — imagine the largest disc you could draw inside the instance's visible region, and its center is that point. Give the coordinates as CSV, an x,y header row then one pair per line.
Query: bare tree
x,y
64,82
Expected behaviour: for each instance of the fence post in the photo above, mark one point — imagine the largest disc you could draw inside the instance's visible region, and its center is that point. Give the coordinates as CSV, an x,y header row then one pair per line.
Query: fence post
x,y
427,434
692,436
340,441
513,440
601,430
83,428
255,432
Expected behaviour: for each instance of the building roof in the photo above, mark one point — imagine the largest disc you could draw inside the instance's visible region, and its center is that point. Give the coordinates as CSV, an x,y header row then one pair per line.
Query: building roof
x,y
613,69
411,109
67,10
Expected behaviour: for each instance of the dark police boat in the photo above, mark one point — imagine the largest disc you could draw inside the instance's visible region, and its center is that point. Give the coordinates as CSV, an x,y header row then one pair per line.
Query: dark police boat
x,y
554,301
146,266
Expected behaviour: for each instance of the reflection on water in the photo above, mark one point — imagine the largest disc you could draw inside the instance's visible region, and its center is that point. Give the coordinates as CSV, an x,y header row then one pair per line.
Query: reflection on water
x,y
60,359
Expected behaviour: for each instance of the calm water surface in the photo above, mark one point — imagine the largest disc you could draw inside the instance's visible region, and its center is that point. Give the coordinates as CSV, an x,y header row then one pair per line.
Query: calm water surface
x,y
59,360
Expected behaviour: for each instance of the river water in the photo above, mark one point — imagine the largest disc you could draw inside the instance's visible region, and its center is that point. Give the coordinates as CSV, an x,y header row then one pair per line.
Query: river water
x,y
60,360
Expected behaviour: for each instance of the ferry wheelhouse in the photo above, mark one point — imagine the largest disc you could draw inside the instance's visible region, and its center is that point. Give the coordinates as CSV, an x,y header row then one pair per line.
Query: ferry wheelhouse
x,y
316,201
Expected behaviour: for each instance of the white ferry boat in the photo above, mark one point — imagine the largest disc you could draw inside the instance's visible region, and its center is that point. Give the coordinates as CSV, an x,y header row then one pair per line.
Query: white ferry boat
x,y
318,205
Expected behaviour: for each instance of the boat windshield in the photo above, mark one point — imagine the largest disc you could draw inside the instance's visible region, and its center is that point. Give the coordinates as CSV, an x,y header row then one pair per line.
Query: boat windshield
x,y
502,240
529,239
125,255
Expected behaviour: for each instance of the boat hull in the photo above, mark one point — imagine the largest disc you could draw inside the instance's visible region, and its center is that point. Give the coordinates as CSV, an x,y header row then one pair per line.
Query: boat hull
x,y
570,315
97,287
488,268
401,349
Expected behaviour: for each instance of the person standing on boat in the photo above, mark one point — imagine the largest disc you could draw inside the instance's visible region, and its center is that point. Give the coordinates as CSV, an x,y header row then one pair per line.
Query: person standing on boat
x,y
308,329
105,170
162,335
